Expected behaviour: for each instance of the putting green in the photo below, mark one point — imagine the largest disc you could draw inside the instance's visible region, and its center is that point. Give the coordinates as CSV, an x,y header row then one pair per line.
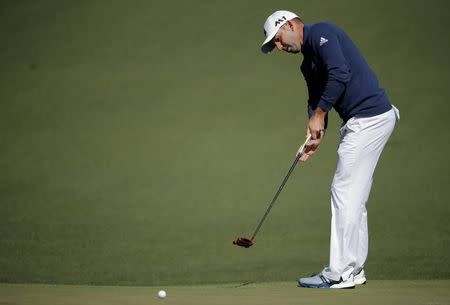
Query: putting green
x,y
139,138
376,292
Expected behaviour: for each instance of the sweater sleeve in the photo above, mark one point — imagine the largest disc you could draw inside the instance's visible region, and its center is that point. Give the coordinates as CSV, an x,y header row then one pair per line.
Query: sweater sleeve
x,y
326,46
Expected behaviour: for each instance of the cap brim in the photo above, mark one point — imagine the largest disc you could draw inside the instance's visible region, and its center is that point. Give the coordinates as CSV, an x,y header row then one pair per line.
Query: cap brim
x,y
268,45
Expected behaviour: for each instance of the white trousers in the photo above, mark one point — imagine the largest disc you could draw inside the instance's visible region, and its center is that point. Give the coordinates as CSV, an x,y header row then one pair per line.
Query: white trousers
x,y
362,141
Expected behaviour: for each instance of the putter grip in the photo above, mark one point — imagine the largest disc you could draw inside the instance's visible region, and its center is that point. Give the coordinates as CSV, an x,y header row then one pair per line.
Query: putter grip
x,y
301,149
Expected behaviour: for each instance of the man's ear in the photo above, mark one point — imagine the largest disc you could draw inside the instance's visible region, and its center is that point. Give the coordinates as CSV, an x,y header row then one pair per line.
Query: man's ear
x,y
289,25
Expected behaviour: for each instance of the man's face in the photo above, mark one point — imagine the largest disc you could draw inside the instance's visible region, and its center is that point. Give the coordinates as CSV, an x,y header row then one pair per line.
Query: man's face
x,y
287,39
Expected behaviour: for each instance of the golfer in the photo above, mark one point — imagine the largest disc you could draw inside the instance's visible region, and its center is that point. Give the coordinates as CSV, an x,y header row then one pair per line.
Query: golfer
x,y
337,76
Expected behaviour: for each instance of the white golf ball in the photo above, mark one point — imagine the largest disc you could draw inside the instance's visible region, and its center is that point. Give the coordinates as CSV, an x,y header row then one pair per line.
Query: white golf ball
x,y
162,294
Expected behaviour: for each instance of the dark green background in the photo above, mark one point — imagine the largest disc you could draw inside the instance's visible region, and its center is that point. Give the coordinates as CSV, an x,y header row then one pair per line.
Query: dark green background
x,y
138,138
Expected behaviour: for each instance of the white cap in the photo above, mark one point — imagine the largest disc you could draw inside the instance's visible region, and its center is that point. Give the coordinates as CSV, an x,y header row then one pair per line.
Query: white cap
x,y
273,23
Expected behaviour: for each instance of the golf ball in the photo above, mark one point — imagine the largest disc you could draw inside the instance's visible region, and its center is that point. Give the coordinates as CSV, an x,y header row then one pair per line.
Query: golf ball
x,y
162,294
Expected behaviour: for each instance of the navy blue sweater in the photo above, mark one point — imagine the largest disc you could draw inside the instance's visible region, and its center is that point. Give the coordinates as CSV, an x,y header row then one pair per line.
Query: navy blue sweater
x,y
338,76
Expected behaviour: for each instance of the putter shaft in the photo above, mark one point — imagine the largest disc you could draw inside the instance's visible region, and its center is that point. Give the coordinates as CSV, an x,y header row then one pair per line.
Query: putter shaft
x,y
301,151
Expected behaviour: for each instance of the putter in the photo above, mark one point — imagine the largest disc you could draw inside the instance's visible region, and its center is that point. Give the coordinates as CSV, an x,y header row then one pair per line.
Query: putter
x,y
248,242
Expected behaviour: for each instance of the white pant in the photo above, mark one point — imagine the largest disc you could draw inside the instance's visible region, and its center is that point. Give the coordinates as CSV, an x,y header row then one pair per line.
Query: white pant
x,y
362,141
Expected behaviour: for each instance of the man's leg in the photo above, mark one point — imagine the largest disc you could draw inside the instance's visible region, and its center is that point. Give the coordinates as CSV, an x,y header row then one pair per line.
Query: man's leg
x,y
362,142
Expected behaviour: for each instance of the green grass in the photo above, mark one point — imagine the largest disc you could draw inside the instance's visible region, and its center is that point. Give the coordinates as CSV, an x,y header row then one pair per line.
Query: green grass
x,y
139,138
377,292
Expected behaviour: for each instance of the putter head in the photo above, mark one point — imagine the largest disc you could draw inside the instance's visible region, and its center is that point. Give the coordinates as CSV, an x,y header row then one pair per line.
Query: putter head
x,y
244,242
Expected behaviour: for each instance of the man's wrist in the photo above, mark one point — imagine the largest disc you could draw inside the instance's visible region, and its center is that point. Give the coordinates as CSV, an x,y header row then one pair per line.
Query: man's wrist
x,y
320,112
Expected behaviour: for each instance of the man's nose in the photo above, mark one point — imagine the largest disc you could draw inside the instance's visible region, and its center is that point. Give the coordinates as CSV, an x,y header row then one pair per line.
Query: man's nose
x,y
279,45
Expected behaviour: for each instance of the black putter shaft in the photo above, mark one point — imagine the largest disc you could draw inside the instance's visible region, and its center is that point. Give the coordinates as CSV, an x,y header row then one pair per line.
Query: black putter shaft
x,y
276,196
299,154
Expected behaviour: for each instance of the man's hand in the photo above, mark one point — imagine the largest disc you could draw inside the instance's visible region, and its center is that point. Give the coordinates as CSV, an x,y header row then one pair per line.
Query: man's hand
x,y
316,129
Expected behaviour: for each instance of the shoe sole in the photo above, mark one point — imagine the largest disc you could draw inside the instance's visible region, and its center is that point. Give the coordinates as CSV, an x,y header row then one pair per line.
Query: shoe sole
x,y
335,286
343,286
360,281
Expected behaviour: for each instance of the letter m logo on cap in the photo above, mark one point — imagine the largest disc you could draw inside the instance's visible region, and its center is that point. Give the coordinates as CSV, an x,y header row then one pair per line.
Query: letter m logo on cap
x,y
280,20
